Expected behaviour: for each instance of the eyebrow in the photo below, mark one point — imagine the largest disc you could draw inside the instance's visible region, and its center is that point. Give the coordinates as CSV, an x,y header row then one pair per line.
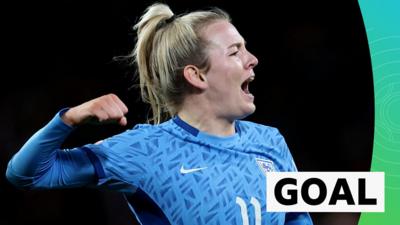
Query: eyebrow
x,y
237,44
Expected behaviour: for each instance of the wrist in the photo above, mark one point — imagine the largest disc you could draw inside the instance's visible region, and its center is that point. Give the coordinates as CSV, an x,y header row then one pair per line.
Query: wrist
x,y
65,115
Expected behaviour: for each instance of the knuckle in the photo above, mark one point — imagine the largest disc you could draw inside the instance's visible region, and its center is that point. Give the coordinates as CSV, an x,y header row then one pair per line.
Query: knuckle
x,y
112,96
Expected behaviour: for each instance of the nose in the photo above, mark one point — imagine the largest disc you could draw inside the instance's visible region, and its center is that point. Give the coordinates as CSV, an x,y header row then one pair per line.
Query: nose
x,y
252,61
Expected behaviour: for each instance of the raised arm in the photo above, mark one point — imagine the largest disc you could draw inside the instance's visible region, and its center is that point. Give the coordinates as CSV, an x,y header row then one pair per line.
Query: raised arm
x,y
40,163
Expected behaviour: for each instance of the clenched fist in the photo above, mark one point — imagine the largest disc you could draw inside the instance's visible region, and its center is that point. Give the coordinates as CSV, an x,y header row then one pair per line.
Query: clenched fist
x,y
104,109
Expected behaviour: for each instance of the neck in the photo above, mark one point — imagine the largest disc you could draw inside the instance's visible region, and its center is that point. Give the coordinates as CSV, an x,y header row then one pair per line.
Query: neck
x,y
201,116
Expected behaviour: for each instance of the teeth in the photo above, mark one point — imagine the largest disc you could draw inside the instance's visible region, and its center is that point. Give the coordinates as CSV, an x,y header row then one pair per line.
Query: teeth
x,y
245,85
251,78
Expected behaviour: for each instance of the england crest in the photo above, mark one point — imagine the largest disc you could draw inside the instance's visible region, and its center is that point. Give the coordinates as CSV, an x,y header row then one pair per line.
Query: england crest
x,y
265,165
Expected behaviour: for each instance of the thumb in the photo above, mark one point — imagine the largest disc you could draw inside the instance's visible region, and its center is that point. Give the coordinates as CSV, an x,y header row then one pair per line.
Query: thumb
x,y
123,121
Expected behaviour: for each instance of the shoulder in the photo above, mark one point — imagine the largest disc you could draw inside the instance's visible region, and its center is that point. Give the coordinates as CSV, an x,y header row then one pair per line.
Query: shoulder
x,y
261,134
256,128
140,133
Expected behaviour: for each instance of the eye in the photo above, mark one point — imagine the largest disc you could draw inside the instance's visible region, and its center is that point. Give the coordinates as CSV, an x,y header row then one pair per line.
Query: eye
x,y
234,53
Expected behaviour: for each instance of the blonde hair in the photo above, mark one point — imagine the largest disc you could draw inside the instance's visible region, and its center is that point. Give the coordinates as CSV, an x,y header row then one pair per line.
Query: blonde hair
x,y
165,45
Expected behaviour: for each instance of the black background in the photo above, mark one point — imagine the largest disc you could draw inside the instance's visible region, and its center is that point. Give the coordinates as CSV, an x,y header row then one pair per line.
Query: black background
x,y
313,82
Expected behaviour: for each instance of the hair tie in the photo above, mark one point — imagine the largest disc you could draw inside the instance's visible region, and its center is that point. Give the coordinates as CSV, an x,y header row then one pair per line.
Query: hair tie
x,y
171,19
163,23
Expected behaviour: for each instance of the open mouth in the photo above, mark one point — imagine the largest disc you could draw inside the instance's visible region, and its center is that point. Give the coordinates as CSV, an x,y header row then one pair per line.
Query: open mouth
x,y
245,84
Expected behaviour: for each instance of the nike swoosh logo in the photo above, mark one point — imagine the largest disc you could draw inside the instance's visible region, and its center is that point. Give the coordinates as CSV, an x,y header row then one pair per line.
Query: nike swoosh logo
x,y
185,171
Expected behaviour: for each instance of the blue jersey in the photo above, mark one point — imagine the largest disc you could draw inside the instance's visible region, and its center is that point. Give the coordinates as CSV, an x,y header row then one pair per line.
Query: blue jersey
x,y
170,173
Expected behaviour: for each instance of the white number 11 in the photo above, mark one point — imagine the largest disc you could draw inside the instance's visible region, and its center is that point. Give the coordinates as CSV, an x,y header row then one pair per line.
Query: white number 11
x,y
243,210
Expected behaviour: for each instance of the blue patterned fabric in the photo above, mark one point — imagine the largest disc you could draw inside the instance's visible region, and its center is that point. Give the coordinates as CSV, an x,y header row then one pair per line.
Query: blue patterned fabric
x,y
197,178
170,173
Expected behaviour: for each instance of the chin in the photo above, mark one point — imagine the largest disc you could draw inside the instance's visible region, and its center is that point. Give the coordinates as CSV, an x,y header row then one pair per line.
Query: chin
x,y
248,111
253,109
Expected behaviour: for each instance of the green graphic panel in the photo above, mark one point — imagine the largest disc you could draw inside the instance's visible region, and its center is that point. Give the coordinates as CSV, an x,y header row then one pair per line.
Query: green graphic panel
x,y
382,23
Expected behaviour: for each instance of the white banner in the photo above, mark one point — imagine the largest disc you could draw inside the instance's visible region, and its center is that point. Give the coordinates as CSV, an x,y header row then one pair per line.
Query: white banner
x,y
325,192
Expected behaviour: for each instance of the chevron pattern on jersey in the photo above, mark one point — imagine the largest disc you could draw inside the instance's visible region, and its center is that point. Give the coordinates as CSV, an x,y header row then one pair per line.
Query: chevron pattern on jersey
x,y
198,179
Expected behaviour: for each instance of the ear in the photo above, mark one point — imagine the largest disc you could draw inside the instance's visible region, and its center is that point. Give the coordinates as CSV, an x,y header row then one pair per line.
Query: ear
x,y
195,77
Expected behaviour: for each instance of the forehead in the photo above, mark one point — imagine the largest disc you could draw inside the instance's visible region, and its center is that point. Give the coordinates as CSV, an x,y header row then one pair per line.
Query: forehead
x,y
222,34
